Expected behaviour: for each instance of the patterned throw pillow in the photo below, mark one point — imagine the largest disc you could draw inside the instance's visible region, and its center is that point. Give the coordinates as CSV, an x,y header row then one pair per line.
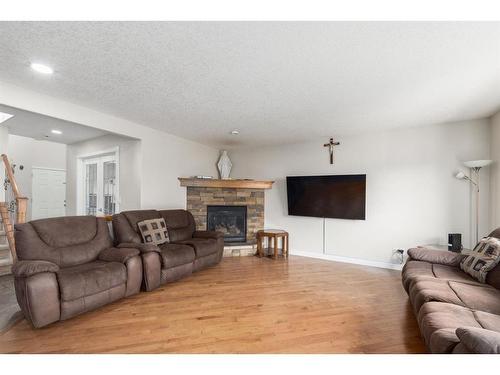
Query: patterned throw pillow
x,y
482,259
154,231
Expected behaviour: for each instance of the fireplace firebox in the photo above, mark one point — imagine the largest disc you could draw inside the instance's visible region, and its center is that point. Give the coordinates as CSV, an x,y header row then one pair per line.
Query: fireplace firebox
x,y
230,220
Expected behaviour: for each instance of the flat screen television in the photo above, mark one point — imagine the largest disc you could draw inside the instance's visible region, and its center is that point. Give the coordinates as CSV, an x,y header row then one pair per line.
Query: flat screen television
x,y
334,196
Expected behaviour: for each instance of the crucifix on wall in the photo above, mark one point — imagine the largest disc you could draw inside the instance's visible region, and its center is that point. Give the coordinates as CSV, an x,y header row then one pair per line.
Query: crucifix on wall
x,y
330,146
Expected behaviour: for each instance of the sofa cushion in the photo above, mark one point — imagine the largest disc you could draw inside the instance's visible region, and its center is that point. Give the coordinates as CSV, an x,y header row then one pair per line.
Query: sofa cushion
x,y
482,259
478,297
487,320
123,230
125,224
431,289
479,340
470,294
180,224
417,270
83,304
439,321
27,268
65,241
414,269
134,217
451,273
174,255
493,277
90,278
436,256
153,231
66,231
202,246
443,341
120,255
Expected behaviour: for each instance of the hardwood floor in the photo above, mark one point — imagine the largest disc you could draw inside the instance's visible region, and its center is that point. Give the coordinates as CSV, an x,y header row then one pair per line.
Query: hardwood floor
x,y
244,305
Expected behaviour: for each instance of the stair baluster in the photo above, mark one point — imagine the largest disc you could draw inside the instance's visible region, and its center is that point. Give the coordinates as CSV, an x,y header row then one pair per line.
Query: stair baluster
x,y
12,211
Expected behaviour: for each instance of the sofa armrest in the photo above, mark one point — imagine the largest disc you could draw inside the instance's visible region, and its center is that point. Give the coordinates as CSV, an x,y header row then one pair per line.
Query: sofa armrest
x,y
27,268
446,258
479,340
121,255
208,234
142,247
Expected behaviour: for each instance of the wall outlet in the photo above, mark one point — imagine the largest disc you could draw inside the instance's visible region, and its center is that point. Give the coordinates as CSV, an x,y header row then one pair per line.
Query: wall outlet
x,y
400,254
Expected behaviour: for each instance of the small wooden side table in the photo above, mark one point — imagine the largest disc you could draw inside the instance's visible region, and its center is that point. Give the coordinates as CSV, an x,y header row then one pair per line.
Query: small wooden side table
x,y
272,236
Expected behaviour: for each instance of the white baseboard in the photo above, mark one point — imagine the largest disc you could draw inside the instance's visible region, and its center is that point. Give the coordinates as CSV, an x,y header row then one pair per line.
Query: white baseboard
x,y
337,258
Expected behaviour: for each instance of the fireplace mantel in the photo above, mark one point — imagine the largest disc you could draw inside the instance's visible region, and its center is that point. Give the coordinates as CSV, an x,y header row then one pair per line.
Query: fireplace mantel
x,y
234,184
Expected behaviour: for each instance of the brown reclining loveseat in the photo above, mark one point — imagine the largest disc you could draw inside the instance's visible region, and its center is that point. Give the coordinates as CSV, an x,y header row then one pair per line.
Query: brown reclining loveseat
x,y
188,251
67,266
455,312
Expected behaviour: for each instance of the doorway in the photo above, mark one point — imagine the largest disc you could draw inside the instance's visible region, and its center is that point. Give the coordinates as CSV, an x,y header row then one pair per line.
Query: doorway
x,y
48,193
99,184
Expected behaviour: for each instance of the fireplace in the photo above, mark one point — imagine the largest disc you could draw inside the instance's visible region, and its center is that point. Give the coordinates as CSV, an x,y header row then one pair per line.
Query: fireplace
x,y
230,220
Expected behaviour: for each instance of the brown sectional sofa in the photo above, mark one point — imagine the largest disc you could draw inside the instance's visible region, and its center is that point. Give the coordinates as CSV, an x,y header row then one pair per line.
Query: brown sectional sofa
x,y
189,250
455,313
67,266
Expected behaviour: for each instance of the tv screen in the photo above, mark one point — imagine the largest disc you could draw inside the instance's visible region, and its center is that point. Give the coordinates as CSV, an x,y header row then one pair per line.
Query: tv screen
x,y
335,196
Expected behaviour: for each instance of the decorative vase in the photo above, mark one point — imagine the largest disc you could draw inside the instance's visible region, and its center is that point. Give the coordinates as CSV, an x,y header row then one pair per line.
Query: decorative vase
x,y
224,165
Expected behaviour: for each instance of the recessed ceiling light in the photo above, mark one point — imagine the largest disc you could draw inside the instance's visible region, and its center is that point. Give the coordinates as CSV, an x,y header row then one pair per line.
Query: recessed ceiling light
x,y
56,131
40,68
5,116
235,132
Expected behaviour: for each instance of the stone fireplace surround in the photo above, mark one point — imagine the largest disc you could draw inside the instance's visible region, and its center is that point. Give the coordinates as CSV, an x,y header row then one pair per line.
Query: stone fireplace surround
x,y
198,198
250,193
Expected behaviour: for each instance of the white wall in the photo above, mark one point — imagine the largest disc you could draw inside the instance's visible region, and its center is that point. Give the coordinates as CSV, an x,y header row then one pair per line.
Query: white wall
x,y
164,157
32,153
130,169
4,145
412,195
495,171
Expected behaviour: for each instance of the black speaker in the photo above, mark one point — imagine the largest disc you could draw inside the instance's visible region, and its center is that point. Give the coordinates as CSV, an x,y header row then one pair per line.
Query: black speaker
x,y
455,242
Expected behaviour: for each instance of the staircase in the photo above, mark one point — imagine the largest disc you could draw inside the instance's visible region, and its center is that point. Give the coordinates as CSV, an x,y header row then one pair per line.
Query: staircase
x,y
5,255
12,211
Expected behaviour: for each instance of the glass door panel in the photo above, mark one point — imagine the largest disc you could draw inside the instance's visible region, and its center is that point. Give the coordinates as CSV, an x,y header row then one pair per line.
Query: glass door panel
x,y
100,185
109,178
91,189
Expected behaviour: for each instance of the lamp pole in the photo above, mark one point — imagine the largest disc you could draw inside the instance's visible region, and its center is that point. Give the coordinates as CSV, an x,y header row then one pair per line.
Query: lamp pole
x,y
476,171
475,167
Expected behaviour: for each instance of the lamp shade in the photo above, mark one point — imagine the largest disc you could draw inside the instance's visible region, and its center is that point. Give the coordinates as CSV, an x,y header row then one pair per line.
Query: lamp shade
x,y
460,175
477,163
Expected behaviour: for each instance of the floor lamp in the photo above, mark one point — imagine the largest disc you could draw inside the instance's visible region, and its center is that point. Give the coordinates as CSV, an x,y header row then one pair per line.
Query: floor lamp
x,y
475,166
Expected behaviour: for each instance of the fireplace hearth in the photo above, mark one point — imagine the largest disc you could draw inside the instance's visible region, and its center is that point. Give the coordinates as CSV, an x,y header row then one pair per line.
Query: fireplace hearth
x,y
230,220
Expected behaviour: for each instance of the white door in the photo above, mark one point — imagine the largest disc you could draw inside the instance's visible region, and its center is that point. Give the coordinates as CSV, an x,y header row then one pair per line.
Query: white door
x,y
100,185
48,193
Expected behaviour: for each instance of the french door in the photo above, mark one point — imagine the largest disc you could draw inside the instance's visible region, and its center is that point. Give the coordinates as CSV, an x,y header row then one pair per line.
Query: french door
x,y
100,180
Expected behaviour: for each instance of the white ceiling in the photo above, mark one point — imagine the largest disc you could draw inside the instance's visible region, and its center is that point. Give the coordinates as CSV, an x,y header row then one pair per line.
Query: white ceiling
x,y
277,82
35,125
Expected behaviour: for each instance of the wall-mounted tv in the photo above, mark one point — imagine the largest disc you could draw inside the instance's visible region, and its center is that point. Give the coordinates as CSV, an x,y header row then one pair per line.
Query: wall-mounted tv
x,y
334,196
